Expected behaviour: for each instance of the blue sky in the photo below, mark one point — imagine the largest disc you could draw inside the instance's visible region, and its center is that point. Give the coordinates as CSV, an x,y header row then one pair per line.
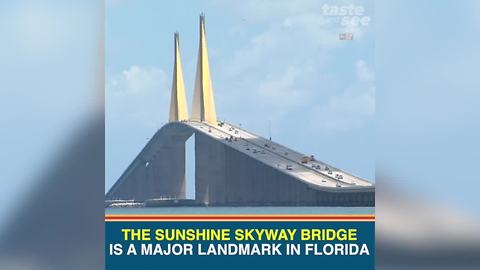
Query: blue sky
x,y
278,61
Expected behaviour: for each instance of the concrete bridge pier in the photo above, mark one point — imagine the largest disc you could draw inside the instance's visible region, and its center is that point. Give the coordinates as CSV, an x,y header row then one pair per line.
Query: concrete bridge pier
x,y
158,171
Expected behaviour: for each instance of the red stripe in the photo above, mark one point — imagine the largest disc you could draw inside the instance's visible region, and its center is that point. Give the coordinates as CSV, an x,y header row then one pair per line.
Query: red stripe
x,y
232,217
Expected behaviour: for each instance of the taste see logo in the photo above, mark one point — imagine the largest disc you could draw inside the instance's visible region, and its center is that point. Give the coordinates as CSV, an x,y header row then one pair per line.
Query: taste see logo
x,y
349,15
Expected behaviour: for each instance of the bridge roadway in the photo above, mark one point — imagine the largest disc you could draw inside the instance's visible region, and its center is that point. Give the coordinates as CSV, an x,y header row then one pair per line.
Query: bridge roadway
x,y
316,174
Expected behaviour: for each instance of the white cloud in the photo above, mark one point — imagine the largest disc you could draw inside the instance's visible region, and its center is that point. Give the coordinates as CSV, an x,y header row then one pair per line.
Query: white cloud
x,y
287,68
345,112
364,73
138,79
289,40
282,90
286,60
137,96
265,11
352,108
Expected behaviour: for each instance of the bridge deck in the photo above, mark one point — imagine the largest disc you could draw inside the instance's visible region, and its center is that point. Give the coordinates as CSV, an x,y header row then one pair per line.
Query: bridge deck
x,y
317,174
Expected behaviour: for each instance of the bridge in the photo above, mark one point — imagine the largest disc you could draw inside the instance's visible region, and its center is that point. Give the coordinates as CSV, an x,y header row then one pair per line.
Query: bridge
x,y
233,167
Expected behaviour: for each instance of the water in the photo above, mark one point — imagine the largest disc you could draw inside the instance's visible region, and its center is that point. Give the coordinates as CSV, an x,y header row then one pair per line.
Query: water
x,y
242,210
